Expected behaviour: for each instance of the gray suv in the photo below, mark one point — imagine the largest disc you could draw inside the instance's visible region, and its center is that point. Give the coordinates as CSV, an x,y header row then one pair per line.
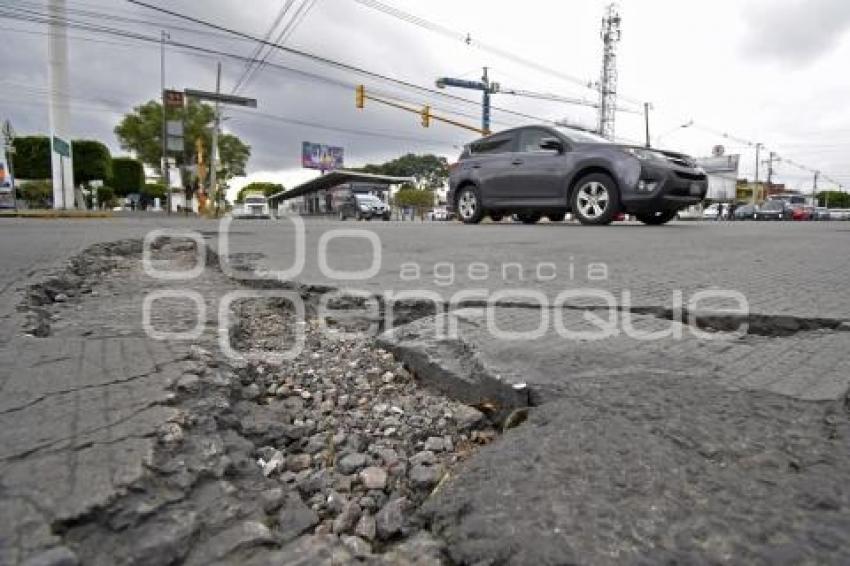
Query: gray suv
x,y
538,171
363,207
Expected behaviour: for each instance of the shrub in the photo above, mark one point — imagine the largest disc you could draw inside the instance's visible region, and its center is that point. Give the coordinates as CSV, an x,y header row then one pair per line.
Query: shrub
x,y
37,194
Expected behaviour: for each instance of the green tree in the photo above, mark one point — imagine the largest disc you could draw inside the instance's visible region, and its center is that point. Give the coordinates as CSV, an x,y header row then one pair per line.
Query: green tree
x,y
37,194
153,190
834,199
106,197
267,189
128,176
419,199
428,170
32,157
140,131
92,161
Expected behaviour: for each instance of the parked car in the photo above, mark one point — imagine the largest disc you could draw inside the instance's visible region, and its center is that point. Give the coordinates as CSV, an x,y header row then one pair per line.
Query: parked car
x,y
711,212
438,214
363,207
801,212
746,212
839,214
773,210
821,213
538,171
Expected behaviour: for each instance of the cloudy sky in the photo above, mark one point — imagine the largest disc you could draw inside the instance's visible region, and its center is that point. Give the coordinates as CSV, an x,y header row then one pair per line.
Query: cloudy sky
x,y
772,71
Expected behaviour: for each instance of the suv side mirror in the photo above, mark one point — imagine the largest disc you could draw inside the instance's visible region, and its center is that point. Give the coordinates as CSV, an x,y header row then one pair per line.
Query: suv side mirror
x,y
552,144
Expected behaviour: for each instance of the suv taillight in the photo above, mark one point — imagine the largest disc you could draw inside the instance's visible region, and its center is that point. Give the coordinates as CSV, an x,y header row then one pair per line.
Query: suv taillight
x,y
453,166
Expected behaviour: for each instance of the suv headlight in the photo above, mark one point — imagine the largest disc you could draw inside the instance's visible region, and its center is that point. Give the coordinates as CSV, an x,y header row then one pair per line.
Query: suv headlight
x,y
364,208
645,154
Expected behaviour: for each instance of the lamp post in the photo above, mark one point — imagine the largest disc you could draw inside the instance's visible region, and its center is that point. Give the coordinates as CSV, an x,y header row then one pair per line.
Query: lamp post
x,y
687,124
9,145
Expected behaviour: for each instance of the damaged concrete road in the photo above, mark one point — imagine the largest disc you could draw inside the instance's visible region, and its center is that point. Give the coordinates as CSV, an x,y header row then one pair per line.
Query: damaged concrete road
x,y
119,448
702,449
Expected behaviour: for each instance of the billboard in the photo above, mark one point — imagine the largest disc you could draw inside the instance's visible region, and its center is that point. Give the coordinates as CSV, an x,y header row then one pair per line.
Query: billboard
x,y
5,179
321,156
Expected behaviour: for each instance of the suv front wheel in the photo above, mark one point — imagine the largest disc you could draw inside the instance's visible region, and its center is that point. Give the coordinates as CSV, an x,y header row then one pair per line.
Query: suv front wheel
x,y
468,205
595,199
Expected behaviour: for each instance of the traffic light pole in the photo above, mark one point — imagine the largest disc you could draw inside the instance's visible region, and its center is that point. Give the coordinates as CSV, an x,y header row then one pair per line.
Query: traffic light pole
x,y
165,172
425,112
483,85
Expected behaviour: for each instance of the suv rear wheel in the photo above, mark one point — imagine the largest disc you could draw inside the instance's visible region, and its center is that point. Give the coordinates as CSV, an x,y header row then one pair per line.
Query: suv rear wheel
x,y
657,218
595,199
468,205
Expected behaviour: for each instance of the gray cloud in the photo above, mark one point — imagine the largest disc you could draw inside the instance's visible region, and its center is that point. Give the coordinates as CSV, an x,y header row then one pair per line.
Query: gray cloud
x,y
795,32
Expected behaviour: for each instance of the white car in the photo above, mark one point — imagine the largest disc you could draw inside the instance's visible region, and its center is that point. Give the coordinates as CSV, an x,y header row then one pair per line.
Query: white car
x,y
711,212
438,214
839,214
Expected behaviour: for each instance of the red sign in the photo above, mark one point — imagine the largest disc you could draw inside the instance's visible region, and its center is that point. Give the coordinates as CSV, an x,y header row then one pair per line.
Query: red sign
x,y
173,99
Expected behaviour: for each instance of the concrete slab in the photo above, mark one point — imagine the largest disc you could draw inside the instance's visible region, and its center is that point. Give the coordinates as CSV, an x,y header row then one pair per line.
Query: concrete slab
x,y
483,354
657,470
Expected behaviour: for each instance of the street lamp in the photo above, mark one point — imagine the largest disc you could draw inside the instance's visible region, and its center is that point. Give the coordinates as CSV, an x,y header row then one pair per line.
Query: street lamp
x,y
687,124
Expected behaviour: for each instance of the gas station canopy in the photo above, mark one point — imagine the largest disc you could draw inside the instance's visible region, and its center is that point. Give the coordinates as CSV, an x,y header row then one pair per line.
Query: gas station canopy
x,y
335,178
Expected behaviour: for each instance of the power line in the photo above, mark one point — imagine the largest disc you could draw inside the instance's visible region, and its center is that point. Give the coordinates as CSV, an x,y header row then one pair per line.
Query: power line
x,y
328,61
353,131
99,16
259,48
98,105
469,40
210,52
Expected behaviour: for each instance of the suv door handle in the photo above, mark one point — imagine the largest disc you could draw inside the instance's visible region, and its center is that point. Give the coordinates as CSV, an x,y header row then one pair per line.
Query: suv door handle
x,y
476,167
517,161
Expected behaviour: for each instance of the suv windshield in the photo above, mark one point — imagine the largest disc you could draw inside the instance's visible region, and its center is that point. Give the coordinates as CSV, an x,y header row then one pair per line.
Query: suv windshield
x,y
580,136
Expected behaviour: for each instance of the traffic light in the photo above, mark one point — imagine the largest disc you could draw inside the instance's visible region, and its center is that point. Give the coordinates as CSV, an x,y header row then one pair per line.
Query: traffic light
x,y
360,100
426,116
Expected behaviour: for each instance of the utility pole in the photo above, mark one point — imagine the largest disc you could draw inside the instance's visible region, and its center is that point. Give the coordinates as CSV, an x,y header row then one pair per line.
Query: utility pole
x,y
646,107
214,149
165,173
756,184
769,162
815,189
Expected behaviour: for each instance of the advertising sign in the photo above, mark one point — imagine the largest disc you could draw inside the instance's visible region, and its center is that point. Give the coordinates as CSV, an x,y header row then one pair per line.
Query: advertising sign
x,y
7,199
5,179
173,98
321,156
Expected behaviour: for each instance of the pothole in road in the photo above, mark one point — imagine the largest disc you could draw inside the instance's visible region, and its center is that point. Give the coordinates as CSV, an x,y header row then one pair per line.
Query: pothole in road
x,y
346,426
333,451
